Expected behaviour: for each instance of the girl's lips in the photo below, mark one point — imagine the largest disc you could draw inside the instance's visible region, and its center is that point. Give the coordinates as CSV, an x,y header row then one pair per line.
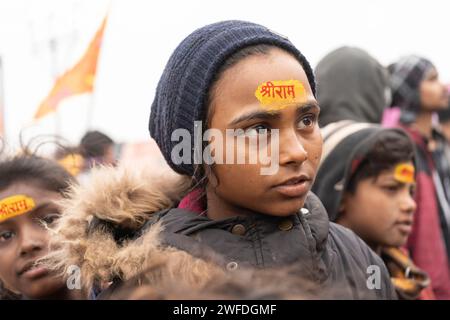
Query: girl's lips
x,y
295,190
34,273
404,228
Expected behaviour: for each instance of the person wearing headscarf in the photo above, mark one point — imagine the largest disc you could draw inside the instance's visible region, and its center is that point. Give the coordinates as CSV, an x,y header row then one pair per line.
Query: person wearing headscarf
x,y
351,85
366,182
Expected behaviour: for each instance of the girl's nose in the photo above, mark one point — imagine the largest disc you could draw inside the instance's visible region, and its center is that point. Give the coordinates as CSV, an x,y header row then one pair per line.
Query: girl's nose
x,y
31,241
292,150
408,204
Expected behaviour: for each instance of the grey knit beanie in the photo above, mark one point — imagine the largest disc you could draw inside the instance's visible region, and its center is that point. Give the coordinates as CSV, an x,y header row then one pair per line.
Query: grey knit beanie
x,y
405,77
182,92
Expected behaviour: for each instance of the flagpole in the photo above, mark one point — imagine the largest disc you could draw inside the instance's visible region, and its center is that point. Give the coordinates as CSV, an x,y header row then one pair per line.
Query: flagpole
x,y
90,111
53,53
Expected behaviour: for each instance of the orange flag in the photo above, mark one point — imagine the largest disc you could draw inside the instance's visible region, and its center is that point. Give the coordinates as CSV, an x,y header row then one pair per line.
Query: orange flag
x,y
79,79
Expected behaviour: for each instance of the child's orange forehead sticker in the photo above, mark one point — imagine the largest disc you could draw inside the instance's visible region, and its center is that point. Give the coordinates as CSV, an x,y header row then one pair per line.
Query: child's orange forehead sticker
x,y
404,172
14,206
278,94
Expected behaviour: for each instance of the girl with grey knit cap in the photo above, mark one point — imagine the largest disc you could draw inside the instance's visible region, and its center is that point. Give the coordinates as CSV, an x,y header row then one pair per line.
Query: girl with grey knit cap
x,y
242,80
248,218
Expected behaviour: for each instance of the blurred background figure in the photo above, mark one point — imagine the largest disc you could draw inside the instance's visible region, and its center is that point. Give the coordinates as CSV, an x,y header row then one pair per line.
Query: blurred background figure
x,y
417,94
366,182
444,120
71,159
97,148
442,126
352,85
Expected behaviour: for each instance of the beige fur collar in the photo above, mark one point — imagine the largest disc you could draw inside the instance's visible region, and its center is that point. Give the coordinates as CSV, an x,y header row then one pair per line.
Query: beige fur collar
x,y
126,198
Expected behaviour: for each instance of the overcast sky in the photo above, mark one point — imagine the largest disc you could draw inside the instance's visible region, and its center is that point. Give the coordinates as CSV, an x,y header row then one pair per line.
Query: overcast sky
x,y
141,34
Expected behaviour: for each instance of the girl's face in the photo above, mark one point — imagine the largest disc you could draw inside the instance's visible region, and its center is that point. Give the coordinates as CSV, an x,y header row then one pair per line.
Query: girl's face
x,y
380,211
433,93
23,240
238,188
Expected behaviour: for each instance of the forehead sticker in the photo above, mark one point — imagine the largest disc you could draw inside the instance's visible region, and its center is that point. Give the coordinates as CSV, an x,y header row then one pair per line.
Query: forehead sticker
x,y
278,94
404,172
14,206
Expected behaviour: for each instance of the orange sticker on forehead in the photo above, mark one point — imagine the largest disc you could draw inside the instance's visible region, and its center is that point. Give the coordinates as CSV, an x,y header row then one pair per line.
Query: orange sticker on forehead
x,y
14,206
404,172
278,94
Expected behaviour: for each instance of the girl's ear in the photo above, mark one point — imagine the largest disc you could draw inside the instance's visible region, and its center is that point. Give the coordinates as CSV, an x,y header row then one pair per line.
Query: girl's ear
x,y
342,217
210,176
342,206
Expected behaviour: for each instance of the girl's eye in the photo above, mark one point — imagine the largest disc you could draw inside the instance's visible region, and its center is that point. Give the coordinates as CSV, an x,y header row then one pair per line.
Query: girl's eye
x,y
307,121
391,188
257,130
50,218
5,236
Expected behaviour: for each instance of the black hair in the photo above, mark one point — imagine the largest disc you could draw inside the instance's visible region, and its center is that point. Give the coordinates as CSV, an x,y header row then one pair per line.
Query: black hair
x,y
30,168
94,144
390,148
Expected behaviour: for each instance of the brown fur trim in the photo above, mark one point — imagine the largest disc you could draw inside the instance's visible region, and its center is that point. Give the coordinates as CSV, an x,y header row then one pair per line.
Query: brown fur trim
x,y
121,196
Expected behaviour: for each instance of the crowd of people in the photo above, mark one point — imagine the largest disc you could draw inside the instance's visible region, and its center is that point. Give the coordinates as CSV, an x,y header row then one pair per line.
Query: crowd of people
x,y
358,208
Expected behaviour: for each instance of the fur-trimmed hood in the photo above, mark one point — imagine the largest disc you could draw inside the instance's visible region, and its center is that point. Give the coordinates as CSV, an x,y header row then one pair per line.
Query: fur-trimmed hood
x,y
124,199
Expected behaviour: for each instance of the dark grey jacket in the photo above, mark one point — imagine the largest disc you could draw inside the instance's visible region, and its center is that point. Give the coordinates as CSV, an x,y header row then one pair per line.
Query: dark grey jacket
x,y
114,217
325,253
